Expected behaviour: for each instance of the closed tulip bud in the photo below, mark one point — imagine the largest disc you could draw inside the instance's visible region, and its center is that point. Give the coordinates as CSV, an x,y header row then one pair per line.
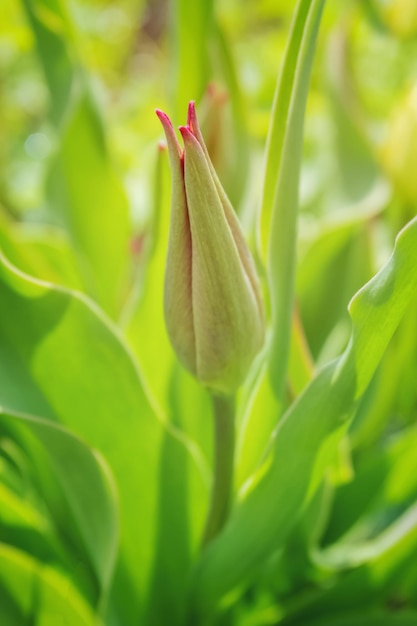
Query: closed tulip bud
x,y
212,301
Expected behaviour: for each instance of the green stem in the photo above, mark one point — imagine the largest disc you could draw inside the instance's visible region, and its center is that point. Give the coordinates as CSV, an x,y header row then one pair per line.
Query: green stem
x,y
224,449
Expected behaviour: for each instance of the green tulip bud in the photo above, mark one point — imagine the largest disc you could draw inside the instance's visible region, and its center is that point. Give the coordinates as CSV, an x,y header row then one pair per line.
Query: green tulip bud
x,y
212,301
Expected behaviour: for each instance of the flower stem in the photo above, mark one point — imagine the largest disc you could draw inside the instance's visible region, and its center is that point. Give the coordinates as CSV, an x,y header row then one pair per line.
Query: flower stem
x,y
224,449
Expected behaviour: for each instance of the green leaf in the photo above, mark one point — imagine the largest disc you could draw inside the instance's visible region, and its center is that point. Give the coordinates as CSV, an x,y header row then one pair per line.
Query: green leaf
x,y
191,67
182,503
383,481
62,360
44,252
51,25
334,264
260,411
364,618
294,466
16,512
235,127
85,194
278,218
88,487
38,522
37,592
380,578
143,317
89,199
392,391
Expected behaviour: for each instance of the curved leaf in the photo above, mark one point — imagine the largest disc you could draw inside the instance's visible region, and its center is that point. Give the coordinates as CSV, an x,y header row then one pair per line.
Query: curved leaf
x,y
278,217
36,592
54,38
85,193
43,251
297,459
381,576
62,360
88,487
88,198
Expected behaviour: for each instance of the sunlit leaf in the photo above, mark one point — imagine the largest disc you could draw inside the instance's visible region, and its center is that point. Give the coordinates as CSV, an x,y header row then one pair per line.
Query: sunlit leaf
x,y
65,362
33,591
278,217
294,467
88,488
89,199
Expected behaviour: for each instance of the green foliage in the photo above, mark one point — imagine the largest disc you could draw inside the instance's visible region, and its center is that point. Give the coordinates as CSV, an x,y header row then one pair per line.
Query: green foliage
x,y
108,460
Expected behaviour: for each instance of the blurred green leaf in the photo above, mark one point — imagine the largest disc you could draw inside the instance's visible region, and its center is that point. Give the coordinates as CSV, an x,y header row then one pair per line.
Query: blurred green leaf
x,y
378,581
356,170
43,252
390,400
334,264
191,25
36,592
88,487
86,193
365,618
383,482
66,362
260,415
143,317
25,525
16,512
51,25
234,142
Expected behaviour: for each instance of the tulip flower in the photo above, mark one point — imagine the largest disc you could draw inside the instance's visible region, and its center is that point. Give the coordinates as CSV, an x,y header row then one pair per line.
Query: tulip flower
x,y
212,301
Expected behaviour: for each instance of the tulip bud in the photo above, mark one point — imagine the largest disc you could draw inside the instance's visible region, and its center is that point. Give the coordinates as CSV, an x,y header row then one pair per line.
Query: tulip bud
x,y
212,301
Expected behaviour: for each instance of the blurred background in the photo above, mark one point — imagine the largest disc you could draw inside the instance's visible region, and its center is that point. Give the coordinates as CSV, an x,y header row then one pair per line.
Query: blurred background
x,y
79,82
84,193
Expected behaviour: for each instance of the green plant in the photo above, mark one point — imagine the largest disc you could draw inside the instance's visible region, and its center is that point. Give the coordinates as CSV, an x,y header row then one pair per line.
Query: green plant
x,y
118,506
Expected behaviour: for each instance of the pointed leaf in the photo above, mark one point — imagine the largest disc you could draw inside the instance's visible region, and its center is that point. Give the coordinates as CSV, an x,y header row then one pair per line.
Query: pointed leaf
x,y
64,361
38,594
278,218
88,486
294,465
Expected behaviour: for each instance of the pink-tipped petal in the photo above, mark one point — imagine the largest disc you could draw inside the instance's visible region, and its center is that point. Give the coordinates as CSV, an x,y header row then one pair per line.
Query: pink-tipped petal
x,y
211,310
188,135
191,116
163,117
185,131
192,124
172,140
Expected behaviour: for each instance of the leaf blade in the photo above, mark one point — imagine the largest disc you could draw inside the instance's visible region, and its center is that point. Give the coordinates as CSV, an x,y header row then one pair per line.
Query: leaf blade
x,y
327,402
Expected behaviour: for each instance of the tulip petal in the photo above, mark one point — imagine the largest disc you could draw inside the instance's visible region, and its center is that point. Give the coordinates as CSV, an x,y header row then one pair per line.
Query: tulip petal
x,y
227,325
178,275
245,256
